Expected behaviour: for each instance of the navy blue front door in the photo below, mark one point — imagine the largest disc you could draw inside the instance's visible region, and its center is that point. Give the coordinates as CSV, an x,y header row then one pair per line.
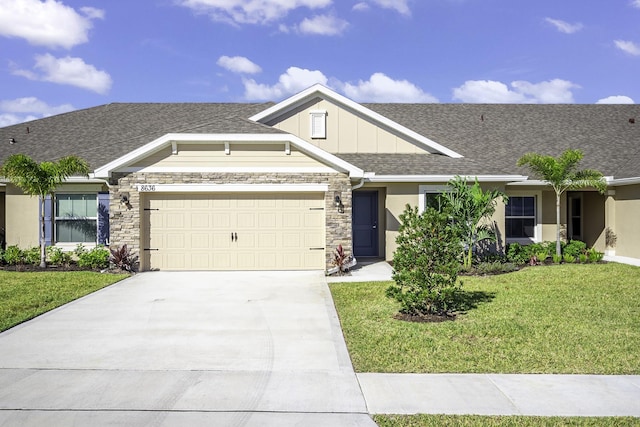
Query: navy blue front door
x,y
365,223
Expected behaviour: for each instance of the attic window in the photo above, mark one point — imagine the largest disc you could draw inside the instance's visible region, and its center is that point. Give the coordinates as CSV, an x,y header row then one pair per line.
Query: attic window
x,y
318,124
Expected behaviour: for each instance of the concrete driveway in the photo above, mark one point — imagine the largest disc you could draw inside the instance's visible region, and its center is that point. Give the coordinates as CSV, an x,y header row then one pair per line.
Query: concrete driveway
x,y
176,349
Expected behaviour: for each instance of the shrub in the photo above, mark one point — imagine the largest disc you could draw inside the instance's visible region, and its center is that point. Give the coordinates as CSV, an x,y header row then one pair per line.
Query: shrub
x,y
575,248
13,255
96,258
426,263
517,253
557,259
583,258
123,259
594,256
58,257
542,255
568,258
31,256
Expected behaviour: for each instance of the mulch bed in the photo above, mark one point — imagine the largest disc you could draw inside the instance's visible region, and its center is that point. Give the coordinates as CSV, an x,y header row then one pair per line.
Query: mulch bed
x,y
426,318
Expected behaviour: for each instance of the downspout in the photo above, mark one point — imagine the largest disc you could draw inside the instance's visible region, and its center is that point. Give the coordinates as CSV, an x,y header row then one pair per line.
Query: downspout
x,y
358,185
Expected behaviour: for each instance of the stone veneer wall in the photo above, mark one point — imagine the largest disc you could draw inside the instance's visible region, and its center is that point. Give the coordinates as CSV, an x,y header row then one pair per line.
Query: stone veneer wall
x,y
125,221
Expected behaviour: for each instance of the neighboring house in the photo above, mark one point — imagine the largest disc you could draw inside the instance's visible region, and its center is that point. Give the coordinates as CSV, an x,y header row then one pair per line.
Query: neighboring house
x,y
280,186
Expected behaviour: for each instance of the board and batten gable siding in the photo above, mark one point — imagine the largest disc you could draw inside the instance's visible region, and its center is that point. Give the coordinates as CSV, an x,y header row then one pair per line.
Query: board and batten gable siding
x,y
346,132
627,226
240,156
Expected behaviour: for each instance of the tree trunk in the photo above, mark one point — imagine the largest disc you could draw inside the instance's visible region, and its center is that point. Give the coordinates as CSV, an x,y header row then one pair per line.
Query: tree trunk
x,y
43,242
558,248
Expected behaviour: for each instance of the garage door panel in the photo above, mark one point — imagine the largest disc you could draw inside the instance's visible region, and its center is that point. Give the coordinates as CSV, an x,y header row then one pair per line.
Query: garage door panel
x,y
274,231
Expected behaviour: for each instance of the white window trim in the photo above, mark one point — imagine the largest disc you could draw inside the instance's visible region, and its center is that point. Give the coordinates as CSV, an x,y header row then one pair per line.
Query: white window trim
x,y
55,218
322,132
431,189
537,230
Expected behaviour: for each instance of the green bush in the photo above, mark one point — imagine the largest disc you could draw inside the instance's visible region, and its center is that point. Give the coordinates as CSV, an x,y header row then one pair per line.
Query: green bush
x,y
31,256
569,259
13,255
583,258
517,253
96,258
426,263
557,259
575,248
594,256
57,256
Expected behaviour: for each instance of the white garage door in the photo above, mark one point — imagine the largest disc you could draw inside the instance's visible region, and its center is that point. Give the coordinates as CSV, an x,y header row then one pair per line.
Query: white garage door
x,y
253,231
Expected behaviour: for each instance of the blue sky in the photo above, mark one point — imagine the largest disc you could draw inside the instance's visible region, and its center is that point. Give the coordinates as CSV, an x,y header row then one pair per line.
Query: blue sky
x,y
64,55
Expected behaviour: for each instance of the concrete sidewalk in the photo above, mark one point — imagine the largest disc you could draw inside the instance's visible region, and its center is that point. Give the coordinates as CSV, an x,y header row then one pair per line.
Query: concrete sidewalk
x,y
494,394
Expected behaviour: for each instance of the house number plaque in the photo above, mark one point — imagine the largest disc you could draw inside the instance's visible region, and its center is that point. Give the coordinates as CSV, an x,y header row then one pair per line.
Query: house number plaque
x,y
146,187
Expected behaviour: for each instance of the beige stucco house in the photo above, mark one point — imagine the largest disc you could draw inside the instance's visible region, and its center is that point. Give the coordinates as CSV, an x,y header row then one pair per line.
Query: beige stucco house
x,y
280,186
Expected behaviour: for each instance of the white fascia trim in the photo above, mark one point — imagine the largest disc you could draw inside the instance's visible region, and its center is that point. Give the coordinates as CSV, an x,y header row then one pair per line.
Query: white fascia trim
x,y
444,178
318,89
166,140
227,170
231,188
623,181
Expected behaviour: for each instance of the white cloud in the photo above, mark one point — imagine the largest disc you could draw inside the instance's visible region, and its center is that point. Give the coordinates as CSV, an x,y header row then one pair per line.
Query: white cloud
x,y
68,71
250,11
324,25
46,23
13,111
362,6
293,81
521,92
400,6
381,88
565,27
92,12
629,47
238,64
636,3
616,99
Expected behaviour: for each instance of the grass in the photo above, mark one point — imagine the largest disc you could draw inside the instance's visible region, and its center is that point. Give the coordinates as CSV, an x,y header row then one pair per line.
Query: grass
x,y
565,319
24,296
500,421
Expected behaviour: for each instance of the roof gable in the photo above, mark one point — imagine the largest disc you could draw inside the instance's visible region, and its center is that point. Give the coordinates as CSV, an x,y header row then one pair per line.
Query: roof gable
x,y
285,107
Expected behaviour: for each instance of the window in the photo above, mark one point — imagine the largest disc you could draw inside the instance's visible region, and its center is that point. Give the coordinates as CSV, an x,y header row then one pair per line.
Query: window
x,y
430,196
520,217
318,124
433,200
76,217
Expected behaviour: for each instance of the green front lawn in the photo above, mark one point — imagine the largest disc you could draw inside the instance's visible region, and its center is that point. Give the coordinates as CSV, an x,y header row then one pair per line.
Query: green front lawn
x,y
515,421
570,319
24,296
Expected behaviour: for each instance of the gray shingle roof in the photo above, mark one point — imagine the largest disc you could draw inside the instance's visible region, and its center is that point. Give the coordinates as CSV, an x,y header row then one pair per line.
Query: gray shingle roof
x,y
104,133
495,136
491,137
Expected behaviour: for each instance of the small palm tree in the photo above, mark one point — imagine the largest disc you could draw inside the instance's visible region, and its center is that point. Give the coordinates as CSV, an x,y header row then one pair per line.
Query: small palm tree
x,y
41,179
470,206
562,174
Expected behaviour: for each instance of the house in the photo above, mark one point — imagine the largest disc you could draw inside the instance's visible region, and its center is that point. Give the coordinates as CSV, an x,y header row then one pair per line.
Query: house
x,y
279,186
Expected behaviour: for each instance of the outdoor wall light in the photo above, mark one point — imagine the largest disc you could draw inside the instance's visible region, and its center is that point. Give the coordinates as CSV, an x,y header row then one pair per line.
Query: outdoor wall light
x,y
124,198
339,204
12,140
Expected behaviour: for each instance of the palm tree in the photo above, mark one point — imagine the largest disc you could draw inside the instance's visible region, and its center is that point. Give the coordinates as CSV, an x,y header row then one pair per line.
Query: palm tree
x,y
562,174
470,205
41,179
